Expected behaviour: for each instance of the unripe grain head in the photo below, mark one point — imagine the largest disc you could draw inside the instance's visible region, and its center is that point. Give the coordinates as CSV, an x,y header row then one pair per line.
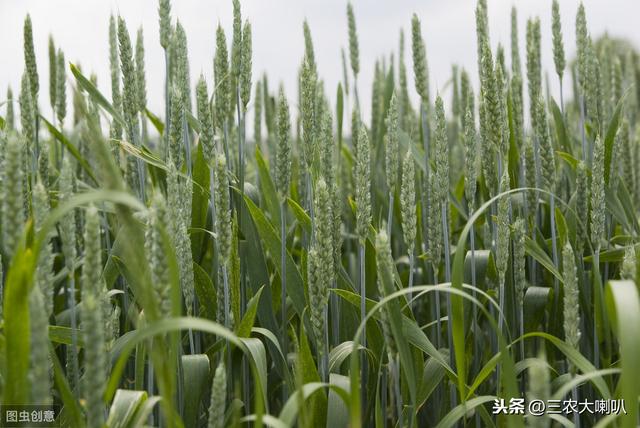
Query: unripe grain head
x,y
221,79
52,72
13,214
245,66
236,48
571,307
164,11
420,69
141,80
218,403
408,202
502,247
205,117
283,153
354,54
27,112
597,195
558,46
362,178
223,211
61,87
30,59
392,145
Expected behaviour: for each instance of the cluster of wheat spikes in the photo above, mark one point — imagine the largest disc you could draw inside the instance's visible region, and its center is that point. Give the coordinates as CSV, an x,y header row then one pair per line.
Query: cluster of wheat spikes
x,y
162,269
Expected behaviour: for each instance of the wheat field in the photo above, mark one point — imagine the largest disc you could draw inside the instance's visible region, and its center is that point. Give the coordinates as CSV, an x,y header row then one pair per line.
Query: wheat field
x,y
467,260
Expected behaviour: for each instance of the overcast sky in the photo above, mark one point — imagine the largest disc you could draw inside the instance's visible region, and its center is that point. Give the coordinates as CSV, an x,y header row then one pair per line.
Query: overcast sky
x,y
80,27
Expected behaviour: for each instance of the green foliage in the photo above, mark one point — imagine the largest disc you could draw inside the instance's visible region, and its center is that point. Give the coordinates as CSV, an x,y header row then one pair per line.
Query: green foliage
x,y
293,254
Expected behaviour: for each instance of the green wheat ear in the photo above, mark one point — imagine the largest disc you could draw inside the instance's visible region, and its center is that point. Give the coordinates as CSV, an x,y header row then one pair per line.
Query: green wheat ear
x,y
157,224
470,156
10,116
597,195
164,11
61,87
492,98
502,117
39,360
547,154
531,174
115,130
52,72
67,223
362,178
386,286
94,312
467,100
558,46
392,145
181,60
283,152
626,156
489,120
404,102
420,69
92,267
502,248
377,102
320,262
218,403
245,65
628,269
13,214
408,202
223,212
324,234
308,112
30,59
308,45
441,155
315,282
130,103
519,261
593,93
582,204
221,79
176,134
179,193
354,54
434,227
534,71
141,79
515,92
94,379
236,46
130,89
539,385
582,42
205,117
257,114
482,36
571,310
44,270
515,49
27,111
